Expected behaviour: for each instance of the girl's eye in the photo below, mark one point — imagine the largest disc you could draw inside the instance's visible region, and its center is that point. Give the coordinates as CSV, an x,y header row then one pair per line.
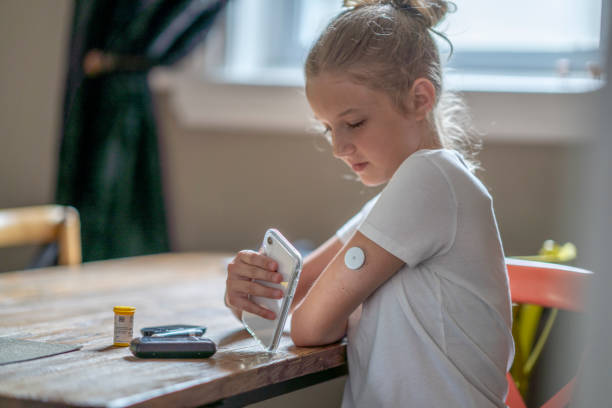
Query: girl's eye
x,y
327,134
356,124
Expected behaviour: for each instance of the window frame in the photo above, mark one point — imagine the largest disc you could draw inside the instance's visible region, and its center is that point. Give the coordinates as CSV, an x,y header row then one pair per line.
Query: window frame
x,y
463,69
203,96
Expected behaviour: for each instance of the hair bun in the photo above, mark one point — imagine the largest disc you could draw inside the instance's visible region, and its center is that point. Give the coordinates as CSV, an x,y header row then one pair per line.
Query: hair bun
x,y
360,3
430,11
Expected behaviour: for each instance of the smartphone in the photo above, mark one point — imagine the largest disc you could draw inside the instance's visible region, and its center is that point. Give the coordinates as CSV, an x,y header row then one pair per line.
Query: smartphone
x,y
172,347
268,332
174,330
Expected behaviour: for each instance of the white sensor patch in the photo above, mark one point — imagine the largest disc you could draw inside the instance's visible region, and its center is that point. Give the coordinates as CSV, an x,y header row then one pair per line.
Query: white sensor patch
x,y
354,258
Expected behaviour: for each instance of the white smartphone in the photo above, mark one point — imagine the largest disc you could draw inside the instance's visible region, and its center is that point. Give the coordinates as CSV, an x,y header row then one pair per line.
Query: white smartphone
x,y
268,332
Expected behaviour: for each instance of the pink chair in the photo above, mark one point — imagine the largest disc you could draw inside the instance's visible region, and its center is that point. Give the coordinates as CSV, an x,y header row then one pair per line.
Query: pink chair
x,y
548,285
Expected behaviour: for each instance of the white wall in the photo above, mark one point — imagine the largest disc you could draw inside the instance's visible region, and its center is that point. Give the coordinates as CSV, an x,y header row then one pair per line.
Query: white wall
x,y
33,45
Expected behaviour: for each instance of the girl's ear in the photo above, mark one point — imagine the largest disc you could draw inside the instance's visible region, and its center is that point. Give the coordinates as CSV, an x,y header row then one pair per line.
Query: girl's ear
x,y
422,98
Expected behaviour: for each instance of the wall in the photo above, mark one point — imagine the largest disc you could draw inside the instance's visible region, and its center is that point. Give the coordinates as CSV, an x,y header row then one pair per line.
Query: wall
x,y
33,45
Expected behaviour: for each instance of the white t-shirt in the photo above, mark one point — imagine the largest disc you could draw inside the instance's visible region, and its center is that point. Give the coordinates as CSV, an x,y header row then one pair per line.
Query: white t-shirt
x,y
438,332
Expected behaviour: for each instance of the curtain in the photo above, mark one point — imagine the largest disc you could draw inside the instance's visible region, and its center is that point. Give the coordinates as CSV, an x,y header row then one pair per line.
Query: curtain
x,y
109,165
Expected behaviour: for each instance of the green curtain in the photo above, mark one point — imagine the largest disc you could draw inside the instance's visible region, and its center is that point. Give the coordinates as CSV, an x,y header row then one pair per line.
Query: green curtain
x,y
109,166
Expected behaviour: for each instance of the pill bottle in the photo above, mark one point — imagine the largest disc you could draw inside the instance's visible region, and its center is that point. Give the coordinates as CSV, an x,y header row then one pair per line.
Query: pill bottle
x,y
124,325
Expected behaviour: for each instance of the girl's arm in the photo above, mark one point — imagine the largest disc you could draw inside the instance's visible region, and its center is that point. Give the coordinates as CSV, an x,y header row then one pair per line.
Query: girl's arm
x,y
249,265
322,315
313,266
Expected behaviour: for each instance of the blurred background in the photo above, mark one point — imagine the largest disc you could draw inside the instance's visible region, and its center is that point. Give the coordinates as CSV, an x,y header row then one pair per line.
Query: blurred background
x,y
236,152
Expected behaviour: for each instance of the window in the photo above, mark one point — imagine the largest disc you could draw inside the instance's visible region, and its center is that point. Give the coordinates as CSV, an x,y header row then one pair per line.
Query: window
x,y
540,46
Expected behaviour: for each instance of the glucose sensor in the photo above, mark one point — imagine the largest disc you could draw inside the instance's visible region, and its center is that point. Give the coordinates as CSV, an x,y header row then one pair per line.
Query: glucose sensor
x,y
354,258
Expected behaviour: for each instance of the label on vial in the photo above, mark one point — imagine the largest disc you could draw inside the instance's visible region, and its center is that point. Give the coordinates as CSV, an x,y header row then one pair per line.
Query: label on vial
x,y
124,325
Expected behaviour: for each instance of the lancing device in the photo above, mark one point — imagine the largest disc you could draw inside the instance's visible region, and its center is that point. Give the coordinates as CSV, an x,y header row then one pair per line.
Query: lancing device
x,y
173,330
179,333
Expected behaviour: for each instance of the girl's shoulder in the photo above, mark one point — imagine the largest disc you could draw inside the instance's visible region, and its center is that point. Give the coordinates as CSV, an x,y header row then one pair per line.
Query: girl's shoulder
x,y
440,169
440,156
425,167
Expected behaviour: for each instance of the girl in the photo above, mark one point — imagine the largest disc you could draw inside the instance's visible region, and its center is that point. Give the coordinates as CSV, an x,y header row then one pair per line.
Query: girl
x,y
434,328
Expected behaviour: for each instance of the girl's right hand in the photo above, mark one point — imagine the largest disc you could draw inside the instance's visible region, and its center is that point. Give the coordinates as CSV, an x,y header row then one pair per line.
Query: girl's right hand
x,y
246,267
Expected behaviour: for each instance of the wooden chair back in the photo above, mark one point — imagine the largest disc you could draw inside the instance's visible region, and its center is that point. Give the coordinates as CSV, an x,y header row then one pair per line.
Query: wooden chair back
x,y
42,225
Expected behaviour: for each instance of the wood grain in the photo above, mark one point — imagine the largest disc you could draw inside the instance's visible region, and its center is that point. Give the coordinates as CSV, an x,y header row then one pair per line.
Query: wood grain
x,y
73,305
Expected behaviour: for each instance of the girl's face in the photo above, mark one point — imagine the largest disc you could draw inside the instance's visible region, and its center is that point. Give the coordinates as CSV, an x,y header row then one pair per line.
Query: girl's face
x,y
367,131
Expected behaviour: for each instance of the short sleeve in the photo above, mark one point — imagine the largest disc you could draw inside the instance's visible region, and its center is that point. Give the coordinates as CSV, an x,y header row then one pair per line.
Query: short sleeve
x,y
347,230
415,217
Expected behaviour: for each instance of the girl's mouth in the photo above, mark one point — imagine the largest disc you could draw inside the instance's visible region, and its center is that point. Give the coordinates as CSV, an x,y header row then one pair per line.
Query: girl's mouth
x,y
357,167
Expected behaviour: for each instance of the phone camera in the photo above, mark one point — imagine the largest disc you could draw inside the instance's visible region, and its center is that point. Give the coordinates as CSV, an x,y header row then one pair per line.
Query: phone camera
x,y
270,240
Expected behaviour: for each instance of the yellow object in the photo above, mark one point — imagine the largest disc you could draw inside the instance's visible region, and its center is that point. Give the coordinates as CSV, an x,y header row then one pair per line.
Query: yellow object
x,y
124,325
553,252
126,310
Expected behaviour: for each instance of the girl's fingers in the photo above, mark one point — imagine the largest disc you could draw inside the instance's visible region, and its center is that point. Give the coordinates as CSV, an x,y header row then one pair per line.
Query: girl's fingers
x,y
249,287
253,272
257,259
244,303
241,270
254,308
242,273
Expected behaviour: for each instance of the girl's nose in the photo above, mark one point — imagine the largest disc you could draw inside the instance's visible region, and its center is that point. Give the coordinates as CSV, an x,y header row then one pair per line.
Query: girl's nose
x,y
341,146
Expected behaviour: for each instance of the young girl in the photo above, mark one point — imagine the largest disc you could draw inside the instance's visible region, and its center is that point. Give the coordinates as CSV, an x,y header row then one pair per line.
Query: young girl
x,y
434,328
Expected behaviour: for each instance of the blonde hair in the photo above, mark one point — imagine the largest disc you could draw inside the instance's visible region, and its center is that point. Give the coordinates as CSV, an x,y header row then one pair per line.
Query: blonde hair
x,y
386,45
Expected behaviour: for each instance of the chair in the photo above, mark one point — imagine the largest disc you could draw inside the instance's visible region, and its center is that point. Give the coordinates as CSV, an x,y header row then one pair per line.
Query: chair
x,y
548,285
528,339
42,225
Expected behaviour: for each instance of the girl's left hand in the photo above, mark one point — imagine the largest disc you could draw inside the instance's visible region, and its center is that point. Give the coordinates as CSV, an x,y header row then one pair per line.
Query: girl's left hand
x,y
242,272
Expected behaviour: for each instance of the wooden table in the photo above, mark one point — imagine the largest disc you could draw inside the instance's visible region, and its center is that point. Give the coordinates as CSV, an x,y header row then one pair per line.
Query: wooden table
x,y
74,305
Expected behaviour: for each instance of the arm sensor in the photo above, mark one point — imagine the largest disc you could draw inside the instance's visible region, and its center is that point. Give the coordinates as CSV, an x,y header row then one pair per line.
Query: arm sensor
x,y
354,258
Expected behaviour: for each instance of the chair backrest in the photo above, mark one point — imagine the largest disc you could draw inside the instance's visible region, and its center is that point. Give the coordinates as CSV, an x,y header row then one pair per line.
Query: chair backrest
x,y
41,225
548,285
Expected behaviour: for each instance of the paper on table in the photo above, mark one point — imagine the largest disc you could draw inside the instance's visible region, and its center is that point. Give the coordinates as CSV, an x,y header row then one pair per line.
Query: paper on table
x,y
16,350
